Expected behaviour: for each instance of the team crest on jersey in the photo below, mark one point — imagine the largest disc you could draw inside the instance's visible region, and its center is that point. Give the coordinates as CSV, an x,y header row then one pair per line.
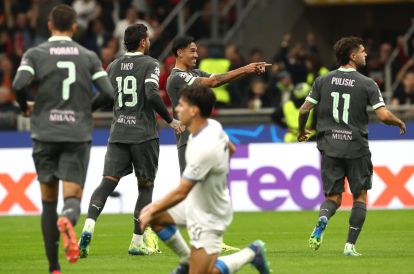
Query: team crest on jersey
x,y
157,71
183,75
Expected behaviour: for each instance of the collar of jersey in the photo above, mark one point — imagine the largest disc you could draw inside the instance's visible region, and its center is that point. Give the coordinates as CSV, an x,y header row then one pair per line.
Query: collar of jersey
x,y
59,38
133,53
346,69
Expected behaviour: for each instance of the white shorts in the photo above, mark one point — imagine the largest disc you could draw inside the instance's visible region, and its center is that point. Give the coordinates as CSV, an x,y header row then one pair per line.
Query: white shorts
x,y
200,237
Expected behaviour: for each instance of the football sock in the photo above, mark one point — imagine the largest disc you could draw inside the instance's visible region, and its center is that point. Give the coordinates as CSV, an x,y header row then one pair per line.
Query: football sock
x,y
71,209
138,239
327,209
232,263
356,221
50,233
89,225
144,198
172,237
99,196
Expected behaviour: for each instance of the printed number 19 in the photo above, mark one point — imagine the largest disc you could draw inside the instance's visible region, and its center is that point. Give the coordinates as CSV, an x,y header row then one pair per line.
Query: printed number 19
x,y
70,66
335,111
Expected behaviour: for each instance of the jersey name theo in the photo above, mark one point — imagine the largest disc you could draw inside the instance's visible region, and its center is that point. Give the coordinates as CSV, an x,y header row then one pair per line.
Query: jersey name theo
x,y
342,82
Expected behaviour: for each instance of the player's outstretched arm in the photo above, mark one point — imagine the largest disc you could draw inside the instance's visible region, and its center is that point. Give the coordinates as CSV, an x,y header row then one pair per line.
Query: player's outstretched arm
x,y
388,118
220,79
303,118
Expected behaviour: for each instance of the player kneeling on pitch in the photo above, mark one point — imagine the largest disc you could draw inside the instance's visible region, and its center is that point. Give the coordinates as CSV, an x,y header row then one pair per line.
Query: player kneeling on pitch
x,y
201,202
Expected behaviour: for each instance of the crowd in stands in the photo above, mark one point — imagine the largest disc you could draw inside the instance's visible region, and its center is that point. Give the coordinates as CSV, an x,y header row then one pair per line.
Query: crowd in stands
x,y
101,24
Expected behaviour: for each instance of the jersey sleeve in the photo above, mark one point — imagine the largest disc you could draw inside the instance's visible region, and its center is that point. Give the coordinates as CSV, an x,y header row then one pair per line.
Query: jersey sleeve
x,y
97,70
314,94
374,95
28,62
199,164
153,73
203,73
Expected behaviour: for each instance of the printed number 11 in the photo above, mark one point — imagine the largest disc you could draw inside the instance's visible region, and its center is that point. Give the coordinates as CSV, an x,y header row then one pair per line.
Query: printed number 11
x,y
335,111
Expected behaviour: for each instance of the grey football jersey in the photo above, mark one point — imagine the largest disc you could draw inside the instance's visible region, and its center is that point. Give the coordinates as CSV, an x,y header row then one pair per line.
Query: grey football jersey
x,y
342,98
65,71
175,82
134,118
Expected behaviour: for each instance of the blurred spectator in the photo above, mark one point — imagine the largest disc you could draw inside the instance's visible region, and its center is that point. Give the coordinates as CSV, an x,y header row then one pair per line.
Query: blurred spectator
x,y
131,18
376,64
87,11
293,57
217,64
281,86
315,69
287,116
39,15
97,37
235,88
404,94
257,97
8,110
107,55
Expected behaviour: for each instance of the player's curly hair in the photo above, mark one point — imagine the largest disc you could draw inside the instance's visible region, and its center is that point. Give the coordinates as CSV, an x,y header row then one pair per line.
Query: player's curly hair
x,y
62,17
344,47
199,96
133,36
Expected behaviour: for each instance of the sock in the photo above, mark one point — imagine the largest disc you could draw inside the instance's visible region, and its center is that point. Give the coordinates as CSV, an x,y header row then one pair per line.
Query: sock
x,y
138,239
327,209
232,263
144,198
50,233
356,221
99,196
71,209
171,236
89,225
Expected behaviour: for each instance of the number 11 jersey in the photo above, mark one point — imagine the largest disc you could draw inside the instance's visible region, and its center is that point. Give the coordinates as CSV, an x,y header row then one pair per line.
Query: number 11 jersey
x,y
342,98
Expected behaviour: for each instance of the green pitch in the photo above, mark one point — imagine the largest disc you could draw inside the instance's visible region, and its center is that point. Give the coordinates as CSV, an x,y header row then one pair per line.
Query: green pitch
x,y
386,242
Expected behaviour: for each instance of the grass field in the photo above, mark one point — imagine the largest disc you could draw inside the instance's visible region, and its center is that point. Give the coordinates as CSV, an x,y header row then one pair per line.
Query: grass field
x,y
386,242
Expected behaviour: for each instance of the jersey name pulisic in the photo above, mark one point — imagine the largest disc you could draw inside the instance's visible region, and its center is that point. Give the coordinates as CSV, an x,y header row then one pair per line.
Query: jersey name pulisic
x,y
342,98
134,119
208,203
175,82
65,72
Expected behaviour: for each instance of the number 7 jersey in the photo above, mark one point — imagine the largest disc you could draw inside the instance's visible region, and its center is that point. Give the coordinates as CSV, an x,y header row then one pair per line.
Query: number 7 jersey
x,y
64,72
341,99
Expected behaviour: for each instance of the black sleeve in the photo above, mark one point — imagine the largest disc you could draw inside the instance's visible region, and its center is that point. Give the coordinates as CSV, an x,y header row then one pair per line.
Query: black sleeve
x,y
105,94
19,86
156,102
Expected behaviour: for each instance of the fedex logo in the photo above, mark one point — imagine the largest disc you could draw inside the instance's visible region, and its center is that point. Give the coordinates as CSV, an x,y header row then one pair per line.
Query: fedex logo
x,y
395,185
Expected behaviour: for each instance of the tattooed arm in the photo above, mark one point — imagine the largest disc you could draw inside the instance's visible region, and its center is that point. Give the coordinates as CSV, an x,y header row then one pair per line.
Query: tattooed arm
x,y
303,118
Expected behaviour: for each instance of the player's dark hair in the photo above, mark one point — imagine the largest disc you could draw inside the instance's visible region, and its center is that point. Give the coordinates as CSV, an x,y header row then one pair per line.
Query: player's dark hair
x,y
181,43
133,36
344,47
199,96
62,17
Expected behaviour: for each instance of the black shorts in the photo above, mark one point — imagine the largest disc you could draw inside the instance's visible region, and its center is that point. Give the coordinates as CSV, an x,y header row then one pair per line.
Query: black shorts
x,y
121,159
64,160
358,172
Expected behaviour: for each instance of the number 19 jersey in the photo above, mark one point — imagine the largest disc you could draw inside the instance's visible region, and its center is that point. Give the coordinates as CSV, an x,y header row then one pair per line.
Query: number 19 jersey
x,y
342,98
64,71
134,76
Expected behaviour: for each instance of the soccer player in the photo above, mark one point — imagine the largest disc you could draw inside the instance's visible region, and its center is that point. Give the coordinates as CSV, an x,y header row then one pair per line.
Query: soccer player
x,y
184,74
342,125
133,141
61,124
201,202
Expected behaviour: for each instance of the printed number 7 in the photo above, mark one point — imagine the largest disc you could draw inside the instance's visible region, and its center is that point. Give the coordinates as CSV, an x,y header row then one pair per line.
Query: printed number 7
x,y
70,66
